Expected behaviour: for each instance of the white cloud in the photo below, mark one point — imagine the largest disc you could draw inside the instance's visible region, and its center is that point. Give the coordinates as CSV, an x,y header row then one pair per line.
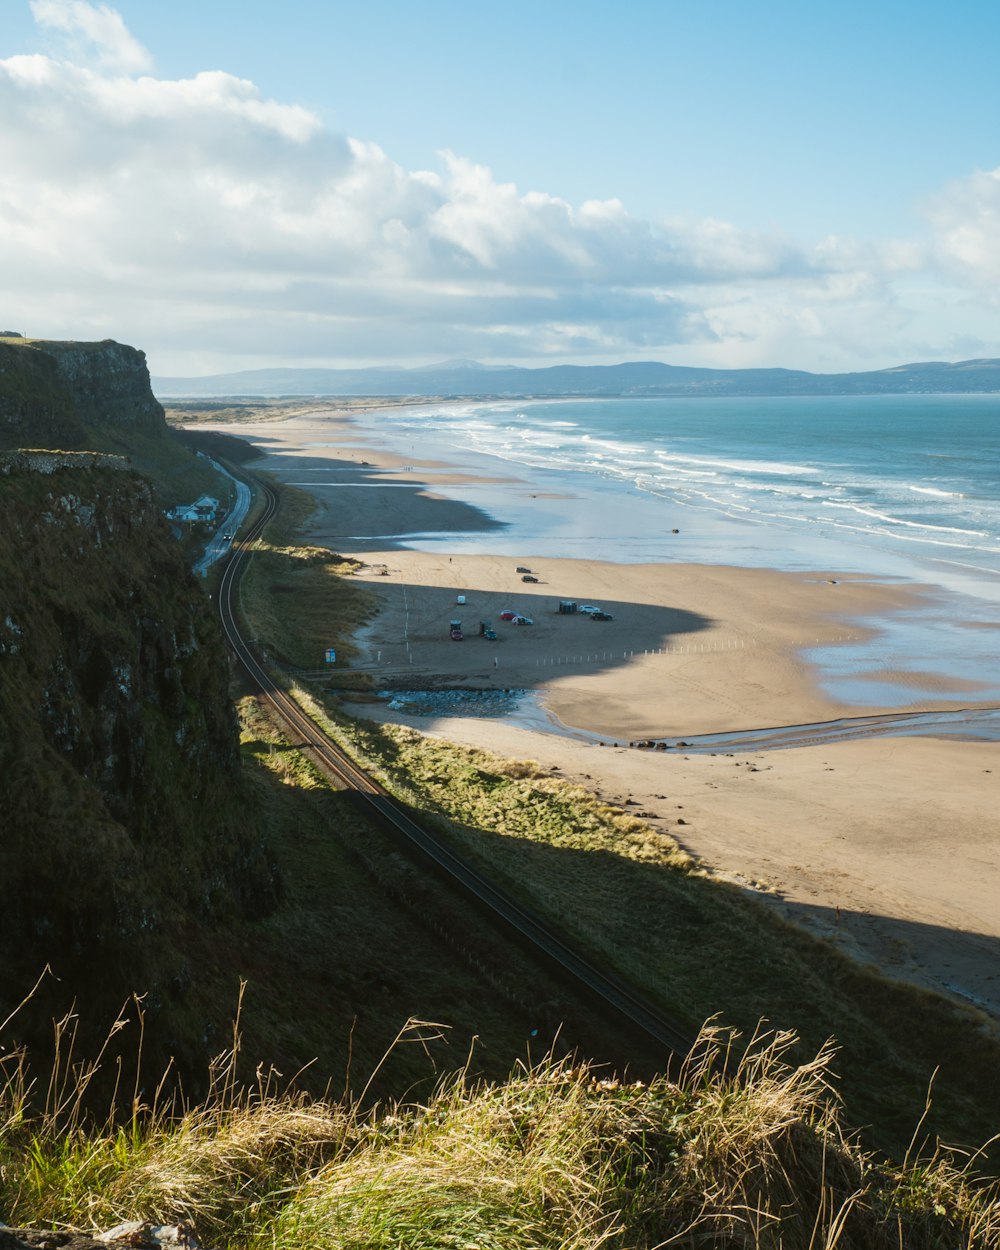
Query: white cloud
x,y
185,213
97,25
966,222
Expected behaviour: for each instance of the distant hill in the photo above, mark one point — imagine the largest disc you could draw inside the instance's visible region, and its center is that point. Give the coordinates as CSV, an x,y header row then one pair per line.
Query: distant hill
x,y
650,377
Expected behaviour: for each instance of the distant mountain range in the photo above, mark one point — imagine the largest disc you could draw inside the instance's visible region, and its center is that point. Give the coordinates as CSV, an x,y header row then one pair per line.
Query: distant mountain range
x,y
649,377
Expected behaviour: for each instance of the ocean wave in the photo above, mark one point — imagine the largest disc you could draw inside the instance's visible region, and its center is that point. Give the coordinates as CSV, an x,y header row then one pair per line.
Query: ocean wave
x,y
777,467
882,532
895,520
616,447
933,490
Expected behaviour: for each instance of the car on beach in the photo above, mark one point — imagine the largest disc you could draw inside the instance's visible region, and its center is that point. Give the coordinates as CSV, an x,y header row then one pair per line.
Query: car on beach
x,y
588,608
523,620
508,614
601,616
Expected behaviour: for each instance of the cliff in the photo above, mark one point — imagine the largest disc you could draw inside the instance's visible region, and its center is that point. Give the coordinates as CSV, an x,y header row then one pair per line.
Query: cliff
x,y
126,822
56,394
36,406
108,384
94,397
123,799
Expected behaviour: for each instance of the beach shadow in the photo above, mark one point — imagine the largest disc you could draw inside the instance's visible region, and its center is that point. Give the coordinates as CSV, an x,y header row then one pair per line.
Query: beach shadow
x,y
701,948
965,965
410,640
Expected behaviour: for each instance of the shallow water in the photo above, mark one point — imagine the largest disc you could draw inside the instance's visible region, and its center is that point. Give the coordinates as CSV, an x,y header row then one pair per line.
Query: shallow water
x,y
477,703
524,708
974,724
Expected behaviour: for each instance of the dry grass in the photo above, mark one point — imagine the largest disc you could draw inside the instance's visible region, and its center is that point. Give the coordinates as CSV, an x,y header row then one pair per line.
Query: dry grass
x,y
748,1153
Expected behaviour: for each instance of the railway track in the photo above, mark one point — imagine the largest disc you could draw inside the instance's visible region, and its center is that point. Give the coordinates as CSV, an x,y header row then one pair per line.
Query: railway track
x,y
613,993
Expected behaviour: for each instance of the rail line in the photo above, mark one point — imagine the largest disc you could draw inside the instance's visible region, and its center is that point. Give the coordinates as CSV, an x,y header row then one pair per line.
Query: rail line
x,y
608,989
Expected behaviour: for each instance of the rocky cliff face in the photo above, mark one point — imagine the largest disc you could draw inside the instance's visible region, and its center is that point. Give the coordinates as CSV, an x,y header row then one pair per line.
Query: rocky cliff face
x,y
95,397
36,406
59,394
108,384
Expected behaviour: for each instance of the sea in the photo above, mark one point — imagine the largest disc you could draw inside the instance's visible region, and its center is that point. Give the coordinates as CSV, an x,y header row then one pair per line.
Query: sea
x,y
903,488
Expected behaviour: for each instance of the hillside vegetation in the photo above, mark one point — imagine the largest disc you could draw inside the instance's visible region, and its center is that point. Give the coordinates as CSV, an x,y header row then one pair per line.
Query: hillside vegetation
x,y
557,1157
124,806
625,894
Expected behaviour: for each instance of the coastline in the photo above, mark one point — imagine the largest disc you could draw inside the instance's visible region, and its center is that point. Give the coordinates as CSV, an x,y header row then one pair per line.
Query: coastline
x,y
847,837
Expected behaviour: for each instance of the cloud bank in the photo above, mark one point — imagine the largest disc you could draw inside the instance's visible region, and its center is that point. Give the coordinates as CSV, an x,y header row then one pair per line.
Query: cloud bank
x,y
218,228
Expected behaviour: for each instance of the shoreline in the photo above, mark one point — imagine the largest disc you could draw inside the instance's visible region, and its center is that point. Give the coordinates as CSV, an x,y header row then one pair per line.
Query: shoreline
x,y
847,838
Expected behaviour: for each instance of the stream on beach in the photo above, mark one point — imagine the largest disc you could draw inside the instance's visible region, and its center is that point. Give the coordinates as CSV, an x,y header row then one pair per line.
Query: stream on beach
x,y
523,708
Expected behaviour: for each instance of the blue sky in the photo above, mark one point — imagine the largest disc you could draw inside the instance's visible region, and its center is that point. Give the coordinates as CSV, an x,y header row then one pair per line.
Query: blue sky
x,y
727,184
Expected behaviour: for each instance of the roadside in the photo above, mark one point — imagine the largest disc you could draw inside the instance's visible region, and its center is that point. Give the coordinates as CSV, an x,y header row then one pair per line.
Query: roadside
x,y
219,544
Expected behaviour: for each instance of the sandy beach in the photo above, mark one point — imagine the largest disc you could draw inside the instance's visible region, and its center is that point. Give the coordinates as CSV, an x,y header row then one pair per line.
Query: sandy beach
x,y
887,844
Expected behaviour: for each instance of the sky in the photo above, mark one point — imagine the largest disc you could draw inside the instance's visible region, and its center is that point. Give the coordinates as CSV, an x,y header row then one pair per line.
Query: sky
x,y
239,185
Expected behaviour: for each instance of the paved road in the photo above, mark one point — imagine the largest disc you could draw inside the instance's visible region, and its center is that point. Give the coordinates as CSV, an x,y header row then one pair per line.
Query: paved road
x,y
218,547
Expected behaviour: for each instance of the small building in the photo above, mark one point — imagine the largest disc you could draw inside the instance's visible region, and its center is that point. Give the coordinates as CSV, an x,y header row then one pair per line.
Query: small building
x,y
206,507
183,512
203,509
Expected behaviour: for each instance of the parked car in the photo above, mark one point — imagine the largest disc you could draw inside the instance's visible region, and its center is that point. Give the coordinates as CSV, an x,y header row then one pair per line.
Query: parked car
x,y
508,614
529,578
588,608
522,569
601,616
523,620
